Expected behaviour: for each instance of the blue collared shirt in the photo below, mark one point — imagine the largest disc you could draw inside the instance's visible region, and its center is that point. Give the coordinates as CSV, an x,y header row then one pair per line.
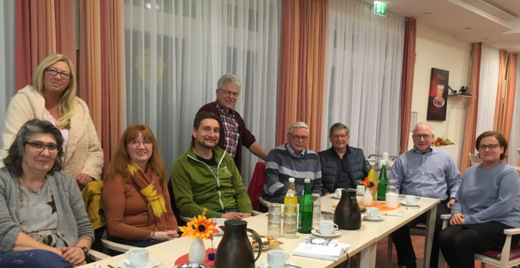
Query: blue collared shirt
x,y
432,174
293,153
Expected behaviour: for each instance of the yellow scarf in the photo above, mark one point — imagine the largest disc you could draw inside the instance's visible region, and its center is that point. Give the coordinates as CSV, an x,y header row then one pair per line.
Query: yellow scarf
x,y
149,189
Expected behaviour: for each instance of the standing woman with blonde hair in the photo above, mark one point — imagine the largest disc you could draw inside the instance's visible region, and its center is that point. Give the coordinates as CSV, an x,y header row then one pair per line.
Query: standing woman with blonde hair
x,y
52,97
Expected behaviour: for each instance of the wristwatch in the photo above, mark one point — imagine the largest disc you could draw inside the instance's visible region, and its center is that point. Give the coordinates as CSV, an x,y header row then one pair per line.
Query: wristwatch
x,y
85,250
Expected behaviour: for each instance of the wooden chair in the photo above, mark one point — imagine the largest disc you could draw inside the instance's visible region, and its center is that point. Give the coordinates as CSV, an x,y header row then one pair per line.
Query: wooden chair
x,y
509,255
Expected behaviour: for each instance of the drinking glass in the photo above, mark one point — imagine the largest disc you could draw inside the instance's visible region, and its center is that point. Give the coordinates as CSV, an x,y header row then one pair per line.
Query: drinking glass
x,y
290,221
274,220
316,210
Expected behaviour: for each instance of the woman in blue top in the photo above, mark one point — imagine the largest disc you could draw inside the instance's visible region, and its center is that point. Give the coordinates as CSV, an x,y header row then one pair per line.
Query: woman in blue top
x,y
485,205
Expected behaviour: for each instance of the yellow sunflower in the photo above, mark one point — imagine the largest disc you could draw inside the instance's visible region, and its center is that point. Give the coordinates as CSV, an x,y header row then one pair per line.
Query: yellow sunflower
x,y
200,227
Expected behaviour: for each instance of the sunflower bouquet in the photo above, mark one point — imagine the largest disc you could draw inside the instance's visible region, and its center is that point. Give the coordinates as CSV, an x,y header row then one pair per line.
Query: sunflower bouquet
x,y
200,227
369,184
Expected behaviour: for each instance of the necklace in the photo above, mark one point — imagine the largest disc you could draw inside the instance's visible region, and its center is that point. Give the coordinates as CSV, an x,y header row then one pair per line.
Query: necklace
x,y
28,187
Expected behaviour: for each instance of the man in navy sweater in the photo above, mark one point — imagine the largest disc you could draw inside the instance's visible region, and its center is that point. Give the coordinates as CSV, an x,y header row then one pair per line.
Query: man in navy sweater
x,y
342,166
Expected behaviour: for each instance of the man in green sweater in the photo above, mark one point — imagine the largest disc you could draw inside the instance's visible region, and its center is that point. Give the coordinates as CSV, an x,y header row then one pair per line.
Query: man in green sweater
x,y
205,176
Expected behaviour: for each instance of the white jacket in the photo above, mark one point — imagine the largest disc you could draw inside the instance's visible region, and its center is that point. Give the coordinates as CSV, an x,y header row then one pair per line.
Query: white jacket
x,y
83,154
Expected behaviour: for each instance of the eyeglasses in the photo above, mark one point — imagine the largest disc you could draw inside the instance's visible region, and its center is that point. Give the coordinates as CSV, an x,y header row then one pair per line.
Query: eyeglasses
x,y
339,136
296,137
230,93
419,136
54,72
42,146
486,146
137,142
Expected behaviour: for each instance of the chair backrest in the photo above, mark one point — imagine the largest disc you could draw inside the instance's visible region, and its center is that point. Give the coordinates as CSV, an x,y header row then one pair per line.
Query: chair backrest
x,y
474,159
257,185
176,212
113,248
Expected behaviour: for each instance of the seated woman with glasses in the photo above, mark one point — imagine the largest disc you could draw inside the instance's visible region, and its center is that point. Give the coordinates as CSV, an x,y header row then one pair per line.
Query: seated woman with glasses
x,y
486,203
43,222
135,196
52,97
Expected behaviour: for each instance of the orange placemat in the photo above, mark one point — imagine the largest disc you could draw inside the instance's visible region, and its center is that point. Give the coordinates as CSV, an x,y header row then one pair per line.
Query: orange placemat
x,y
185,260
380,205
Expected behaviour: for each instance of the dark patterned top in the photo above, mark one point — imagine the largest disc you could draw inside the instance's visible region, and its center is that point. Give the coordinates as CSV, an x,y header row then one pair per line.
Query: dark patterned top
x,y
230,126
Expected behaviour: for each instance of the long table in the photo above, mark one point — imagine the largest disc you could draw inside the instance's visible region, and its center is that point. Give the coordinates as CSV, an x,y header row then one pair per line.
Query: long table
x,y
362,241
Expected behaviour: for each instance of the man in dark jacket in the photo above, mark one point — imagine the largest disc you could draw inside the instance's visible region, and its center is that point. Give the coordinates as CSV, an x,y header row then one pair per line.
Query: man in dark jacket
x,y
233,131
342,166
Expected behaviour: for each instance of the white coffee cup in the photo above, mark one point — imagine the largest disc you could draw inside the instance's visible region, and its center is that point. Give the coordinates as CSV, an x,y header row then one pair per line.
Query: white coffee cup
x,y
327,227
372,213
411,200
339,191
360,189
137,257
392,200
276,258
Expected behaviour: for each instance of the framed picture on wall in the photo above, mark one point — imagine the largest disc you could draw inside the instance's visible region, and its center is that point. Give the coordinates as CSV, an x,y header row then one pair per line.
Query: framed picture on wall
x,y
437,98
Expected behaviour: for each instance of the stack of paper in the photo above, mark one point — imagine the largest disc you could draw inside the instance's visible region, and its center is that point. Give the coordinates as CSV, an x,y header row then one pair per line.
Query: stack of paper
x,y
319,248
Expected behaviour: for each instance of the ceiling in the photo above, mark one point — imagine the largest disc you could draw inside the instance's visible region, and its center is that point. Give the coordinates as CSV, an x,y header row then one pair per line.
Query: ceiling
x,y
493,22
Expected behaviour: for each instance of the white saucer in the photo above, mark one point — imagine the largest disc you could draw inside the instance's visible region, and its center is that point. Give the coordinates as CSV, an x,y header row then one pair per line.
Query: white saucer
x,y
220,222
263,264
403,202
378,218
335,196
317,233
151,264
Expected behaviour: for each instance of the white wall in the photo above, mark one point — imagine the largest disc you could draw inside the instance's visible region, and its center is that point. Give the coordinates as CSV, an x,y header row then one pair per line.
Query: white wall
x,y
437,49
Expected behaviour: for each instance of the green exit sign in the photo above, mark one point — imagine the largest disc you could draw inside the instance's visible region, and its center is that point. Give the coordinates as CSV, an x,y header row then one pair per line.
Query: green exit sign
x,y
379,8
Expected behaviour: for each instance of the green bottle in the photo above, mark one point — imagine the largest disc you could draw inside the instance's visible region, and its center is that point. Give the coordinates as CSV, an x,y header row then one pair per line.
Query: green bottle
x,y
382,182
305,221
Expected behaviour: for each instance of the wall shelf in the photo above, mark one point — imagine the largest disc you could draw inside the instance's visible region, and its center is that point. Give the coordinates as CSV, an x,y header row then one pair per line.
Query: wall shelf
x,y
461,96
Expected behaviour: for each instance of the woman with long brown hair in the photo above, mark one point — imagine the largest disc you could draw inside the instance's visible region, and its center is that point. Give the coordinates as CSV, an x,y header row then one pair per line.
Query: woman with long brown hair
x,y
135,196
